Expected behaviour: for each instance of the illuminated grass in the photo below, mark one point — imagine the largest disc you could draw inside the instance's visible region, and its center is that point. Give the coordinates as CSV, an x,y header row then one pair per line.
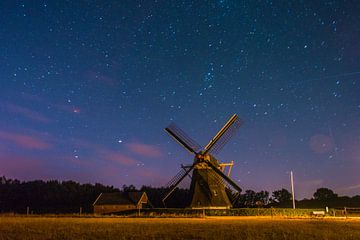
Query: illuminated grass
x,y
175,228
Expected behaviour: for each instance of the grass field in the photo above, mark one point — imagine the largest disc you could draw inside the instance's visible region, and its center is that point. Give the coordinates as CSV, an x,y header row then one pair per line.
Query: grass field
x,y
177,228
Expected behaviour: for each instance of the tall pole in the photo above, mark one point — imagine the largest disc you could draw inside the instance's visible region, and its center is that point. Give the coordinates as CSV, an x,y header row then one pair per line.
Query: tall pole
x,y
292,188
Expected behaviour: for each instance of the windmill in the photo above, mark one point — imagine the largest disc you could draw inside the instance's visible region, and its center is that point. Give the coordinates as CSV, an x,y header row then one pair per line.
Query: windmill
x,y
210,187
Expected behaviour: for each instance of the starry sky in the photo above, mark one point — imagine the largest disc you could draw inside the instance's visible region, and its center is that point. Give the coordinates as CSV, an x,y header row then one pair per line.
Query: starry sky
x,y
87,88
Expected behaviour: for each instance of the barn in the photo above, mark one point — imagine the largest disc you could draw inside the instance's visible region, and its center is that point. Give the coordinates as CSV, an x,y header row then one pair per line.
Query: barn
x,y
108,203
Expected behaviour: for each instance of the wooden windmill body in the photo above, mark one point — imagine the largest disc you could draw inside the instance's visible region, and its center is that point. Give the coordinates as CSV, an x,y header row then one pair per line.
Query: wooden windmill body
x,y
210,187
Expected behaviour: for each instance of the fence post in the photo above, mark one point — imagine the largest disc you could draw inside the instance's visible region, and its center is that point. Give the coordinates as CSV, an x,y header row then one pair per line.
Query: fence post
x,y
80,211
27,210
271,208
345,212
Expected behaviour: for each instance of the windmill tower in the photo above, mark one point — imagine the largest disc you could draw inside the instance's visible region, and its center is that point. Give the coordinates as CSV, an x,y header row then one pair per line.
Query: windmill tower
x,y
210,187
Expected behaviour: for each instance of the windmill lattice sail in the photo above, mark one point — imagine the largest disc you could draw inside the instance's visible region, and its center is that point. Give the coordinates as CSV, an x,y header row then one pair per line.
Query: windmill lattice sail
x,y
224,135
181,137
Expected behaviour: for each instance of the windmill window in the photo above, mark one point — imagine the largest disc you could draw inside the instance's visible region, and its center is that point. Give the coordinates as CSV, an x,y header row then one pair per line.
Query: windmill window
x,y
215,193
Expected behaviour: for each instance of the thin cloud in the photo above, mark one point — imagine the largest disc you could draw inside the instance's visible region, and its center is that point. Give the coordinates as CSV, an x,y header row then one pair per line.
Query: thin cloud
x,y
320,143
124,156
69,108
152,176
24,141
145,150
32,97
100,78
312,183
353,187
22,167
87,144
26,112
307,188
82,162
117,157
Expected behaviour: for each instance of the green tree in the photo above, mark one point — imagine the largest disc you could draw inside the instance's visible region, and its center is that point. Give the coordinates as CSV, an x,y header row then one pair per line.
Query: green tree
x,y
324,194
262,198
250,198
130,188
281,196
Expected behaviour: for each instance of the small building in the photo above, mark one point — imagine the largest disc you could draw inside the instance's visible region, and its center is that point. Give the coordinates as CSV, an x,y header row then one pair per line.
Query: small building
x,y
108,203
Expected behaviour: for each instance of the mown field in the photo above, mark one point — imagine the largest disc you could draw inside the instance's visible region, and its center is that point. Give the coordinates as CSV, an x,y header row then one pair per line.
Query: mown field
x,y
177,228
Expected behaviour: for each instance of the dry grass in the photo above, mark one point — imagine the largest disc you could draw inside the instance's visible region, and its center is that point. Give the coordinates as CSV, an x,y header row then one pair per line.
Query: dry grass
x,y
175,228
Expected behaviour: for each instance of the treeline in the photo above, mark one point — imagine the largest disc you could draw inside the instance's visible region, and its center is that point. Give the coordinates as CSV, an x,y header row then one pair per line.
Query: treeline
x,y
69,196
48,196
323,197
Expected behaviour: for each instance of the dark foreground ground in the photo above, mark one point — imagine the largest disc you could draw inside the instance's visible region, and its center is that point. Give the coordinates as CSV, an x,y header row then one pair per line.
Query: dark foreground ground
x,y
178,228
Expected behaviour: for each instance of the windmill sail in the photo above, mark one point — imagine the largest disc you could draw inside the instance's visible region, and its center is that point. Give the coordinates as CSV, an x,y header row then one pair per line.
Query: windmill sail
x,y
181,137
224,135
176,181
225,177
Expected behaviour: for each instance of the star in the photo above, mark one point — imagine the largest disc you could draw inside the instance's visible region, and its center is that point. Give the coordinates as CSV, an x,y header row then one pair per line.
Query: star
x,y
107,83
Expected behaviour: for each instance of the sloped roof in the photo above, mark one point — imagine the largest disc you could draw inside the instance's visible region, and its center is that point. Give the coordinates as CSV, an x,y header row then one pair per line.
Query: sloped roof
x,y
135,196
118,198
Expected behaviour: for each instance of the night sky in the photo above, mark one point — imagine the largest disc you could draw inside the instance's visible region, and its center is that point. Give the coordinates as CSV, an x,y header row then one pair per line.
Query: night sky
x,y
87,88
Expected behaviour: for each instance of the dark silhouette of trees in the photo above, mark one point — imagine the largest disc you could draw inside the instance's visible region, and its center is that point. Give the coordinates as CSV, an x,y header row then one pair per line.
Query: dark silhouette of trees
x,y
68,196
129,188
262,198
253,199
324,194
281,196
324,197
249,198
48,196
180,198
